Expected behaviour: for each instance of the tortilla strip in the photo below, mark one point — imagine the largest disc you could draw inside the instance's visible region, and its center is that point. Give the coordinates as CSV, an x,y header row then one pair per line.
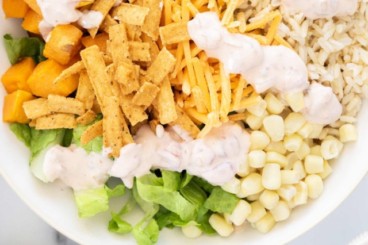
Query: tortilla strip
x,y
139,51
165,103
118,44
102,6
161,67
91,132
85,92
56,121
133,113
152,21
57,103
185,123
174,33
130,14
36,108
76,68
87,118
146,94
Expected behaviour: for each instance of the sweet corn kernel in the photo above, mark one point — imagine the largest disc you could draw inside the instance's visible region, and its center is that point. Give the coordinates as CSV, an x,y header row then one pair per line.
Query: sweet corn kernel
x,y
303,151
301,196
258,109
258,211
293,142
287,192
293,122
292,158
315,185
257,159
271,176
306,130
240,213
253,197
274,105
348,133
289,177
316,150
316,131
298,166
313,164
277,147
244,169
191,231
274,126
281,212
269,199
295,101
327,170
331,148
265,224
232,186
258,140
275,157
254,122
220,225
252,184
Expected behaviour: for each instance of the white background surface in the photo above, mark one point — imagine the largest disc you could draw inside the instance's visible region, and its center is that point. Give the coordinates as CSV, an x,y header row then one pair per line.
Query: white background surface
x,y
18,225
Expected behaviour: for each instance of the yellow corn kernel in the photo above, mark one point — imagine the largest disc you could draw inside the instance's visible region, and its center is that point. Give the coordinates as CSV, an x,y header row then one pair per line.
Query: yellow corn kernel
x,y
252,184
258,140
274,126
331,148
315,185
240,213
281,212
275,157
220,225
258,211
293,142
313,164
295,101
271,176
293,122
265,224
274,105
348,133
257,159
269,199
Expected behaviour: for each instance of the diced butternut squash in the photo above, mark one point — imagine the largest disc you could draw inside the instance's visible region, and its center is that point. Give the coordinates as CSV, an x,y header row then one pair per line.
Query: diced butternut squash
x,y
13,106
84,3
33,5
99,40
15,8
31,21
63,44
42,79
17,75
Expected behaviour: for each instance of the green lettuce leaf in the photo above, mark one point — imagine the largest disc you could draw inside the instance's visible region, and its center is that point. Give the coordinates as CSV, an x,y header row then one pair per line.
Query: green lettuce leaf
x,y
171,180
18,48
149,190
91,202
194,194
117,191
146,232
22,132
94,145
117,224
41,139
221,201
166,218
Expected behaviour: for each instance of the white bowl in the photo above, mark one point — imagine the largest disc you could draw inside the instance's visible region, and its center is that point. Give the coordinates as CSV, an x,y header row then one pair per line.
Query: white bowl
x,y
56,205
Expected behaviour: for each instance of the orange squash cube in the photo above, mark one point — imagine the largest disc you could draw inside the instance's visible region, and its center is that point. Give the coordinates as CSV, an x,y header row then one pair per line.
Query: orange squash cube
x,y
31,21
33,5
13,106
63,44
15,8
17,75
41,81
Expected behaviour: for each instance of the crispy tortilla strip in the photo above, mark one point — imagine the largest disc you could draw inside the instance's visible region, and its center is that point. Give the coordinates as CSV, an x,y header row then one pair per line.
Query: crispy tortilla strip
x,y
103,6
87,117
130,14
154,49
152,20
174,33
96,107
133,32
76,68
126,75
57,103
108,21
165,103
96,69
139,51
115,130
185,123
146,94
161,67
85,92
36,108
118,45
55,121
99,40
132,112
32,123
92,132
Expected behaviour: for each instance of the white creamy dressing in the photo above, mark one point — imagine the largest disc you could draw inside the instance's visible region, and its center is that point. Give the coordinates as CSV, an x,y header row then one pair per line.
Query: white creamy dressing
x,y
321,105
215,158
265,67
318,9
76,168
62,12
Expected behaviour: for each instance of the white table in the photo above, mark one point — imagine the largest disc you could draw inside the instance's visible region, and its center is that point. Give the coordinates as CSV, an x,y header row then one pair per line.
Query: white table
x,y
18,225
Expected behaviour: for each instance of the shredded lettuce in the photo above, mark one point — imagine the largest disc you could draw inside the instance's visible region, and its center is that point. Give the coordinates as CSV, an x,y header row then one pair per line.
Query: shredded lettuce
x,y
117,224
18,48
94,145
22,132
146,232
221,201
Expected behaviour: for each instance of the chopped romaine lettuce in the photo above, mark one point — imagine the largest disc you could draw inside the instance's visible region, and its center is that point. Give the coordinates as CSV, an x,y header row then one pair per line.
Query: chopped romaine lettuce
x,y
94,145
18,48
117,224
146,231
23,133
91,202
194,194
221,201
